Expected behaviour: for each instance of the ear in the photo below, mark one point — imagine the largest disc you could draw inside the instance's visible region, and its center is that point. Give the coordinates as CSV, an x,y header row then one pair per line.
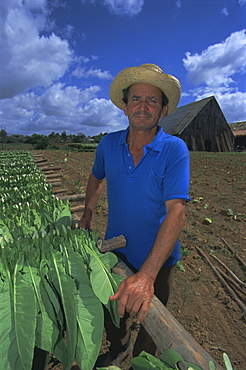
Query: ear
x,y
164,111
124,107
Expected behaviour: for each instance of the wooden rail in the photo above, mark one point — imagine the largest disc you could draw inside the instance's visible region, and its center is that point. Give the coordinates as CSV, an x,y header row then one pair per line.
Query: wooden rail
x,y
163,328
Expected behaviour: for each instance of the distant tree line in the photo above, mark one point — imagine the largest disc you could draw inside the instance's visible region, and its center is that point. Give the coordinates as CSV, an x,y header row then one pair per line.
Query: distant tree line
x,y
52,141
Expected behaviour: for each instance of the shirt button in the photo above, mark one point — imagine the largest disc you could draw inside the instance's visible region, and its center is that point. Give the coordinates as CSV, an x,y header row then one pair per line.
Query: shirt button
x,y
130,167
129,154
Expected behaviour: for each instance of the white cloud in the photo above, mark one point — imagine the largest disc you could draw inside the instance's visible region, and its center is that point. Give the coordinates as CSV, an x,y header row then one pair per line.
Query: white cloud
x,y
27,59
178,4
125,7
60,108
217,64
216,71
32,96
92,72
225,11
242,2
121,7
231,101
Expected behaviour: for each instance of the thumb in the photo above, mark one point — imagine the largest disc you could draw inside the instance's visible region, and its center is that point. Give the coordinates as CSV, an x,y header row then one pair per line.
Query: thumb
x,y
117,294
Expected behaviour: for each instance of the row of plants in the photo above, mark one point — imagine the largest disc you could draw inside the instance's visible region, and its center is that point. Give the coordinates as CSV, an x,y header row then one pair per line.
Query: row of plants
x,y
169,360
53,280
82,147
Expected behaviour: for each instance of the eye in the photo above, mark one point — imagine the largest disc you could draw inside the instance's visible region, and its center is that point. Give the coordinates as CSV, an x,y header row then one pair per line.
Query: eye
x,y
152,100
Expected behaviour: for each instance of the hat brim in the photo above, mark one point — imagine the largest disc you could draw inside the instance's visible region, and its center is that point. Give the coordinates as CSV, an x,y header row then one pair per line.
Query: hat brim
x,y
169,84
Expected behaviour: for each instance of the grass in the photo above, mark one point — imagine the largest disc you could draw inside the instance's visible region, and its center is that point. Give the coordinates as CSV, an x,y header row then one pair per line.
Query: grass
x,y
16,146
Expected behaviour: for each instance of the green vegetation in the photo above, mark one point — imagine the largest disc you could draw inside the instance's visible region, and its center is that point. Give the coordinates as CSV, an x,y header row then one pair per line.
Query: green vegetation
x,y
170,360
77,142
53,280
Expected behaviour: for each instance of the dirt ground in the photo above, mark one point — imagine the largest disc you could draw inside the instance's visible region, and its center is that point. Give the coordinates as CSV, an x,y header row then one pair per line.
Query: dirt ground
x,y
216,218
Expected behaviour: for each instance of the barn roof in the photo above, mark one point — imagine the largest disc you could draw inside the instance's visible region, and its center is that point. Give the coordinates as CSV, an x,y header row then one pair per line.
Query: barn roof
x,y
176,122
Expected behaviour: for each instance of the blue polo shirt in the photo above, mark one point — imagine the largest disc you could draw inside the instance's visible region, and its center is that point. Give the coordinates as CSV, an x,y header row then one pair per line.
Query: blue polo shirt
x,y
137,194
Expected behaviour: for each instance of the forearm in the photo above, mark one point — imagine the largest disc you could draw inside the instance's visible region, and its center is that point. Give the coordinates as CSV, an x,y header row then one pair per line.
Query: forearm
x,y
165,241
93,192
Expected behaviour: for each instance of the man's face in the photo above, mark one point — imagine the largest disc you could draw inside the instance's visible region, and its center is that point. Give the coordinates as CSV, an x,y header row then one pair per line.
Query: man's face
x,y
144,106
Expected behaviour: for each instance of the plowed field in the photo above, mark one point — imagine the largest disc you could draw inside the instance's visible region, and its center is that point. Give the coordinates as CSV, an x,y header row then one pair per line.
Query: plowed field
x,y
216,220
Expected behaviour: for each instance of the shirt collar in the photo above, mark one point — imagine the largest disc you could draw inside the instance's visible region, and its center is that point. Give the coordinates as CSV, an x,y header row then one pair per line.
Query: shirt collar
x,y
123,137
156,143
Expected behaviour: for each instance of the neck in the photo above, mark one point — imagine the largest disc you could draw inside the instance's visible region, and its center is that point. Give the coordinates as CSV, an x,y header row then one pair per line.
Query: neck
x,y
136,140
139,138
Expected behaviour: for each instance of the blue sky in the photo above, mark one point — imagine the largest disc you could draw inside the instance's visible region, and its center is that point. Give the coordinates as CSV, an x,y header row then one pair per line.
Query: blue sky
x,y
58,58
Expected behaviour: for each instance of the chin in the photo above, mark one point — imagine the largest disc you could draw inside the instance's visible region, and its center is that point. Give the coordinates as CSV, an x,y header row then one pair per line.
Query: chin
x,y
143,127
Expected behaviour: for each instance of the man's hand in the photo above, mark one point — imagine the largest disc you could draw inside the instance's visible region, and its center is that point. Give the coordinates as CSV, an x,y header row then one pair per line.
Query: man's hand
x,y
83,223
134,296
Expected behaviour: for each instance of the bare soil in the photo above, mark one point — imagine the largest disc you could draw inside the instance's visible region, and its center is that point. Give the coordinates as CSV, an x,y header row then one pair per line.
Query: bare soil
x,y
216,218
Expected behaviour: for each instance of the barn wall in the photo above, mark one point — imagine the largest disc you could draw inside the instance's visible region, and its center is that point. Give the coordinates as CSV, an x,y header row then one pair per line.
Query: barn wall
x,y
209,130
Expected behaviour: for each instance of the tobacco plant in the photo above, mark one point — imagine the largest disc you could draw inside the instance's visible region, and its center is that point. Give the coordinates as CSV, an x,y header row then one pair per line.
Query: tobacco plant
x,y
53,280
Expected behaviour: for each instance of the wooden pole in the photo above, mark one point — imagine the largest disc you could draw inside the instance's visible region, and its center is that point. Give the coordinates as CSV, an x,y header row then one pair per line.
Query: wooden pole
x,y
166,331
73,197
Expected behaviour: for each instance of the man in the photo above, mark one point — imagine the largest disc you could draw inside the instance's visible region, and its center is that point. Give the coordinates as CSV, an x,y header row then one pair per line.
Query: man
x,y
147,173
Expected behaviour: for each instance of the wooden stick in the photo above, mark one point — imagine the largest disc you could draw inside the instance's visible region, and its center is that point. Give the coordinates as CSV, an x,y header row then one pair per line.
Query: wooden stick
x,y
54,168
54,183
235,254
230,272
40,161
44,164
59,191
111,244
166,331
226,277
223,282
77,209
73,197
53,175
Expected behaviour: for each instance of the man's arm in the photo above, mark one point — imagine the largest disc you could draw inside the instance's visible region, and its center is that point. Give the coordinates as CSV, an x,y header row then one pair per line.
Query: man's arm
x,y
135,292
93,192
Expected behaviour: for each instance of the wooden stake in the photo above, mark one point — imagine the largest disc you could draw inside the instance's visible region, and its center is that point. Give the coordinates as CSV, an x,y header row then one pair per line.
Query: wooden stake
x,y
223,282
242,284
166,331
235,254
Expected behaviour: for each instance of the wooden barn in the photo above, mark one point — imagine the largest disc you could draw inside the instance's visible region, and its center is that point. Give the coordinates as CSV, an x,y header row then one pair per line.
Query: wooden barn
x,y
239,132
202,125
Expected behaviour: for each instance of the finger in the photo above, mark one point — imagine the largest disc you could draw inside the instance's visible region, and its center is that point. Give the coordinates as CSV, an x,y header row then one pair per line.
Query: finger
x,y
135,308
143,311
122,304
118,293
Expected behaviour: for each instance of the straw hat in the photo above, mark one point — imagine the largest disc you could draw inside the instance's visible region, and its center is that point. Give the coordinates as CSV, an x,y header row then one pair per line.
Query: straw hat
x,y
150,74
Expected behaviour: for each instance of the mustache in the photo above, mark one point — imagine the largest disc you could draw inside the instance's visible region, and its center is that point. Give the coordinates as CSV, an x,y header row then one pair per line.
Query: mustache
x,y
142,113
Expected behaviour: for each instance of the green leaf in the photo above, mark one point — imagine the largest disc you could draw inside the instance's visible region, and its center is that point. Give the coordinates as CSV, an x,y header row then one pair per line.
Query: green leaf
x,y
227,362
101,280
180,266
24,317
211,365
45,326
142,363
108,259
65,286
109,368
9,355
191,366
171,357
90,320
64,218
54,312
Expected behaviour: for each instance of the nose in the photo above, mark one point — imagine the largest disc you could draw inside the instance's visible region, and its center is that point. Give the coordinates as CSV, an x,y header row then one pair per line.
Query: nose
x,y
143,103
